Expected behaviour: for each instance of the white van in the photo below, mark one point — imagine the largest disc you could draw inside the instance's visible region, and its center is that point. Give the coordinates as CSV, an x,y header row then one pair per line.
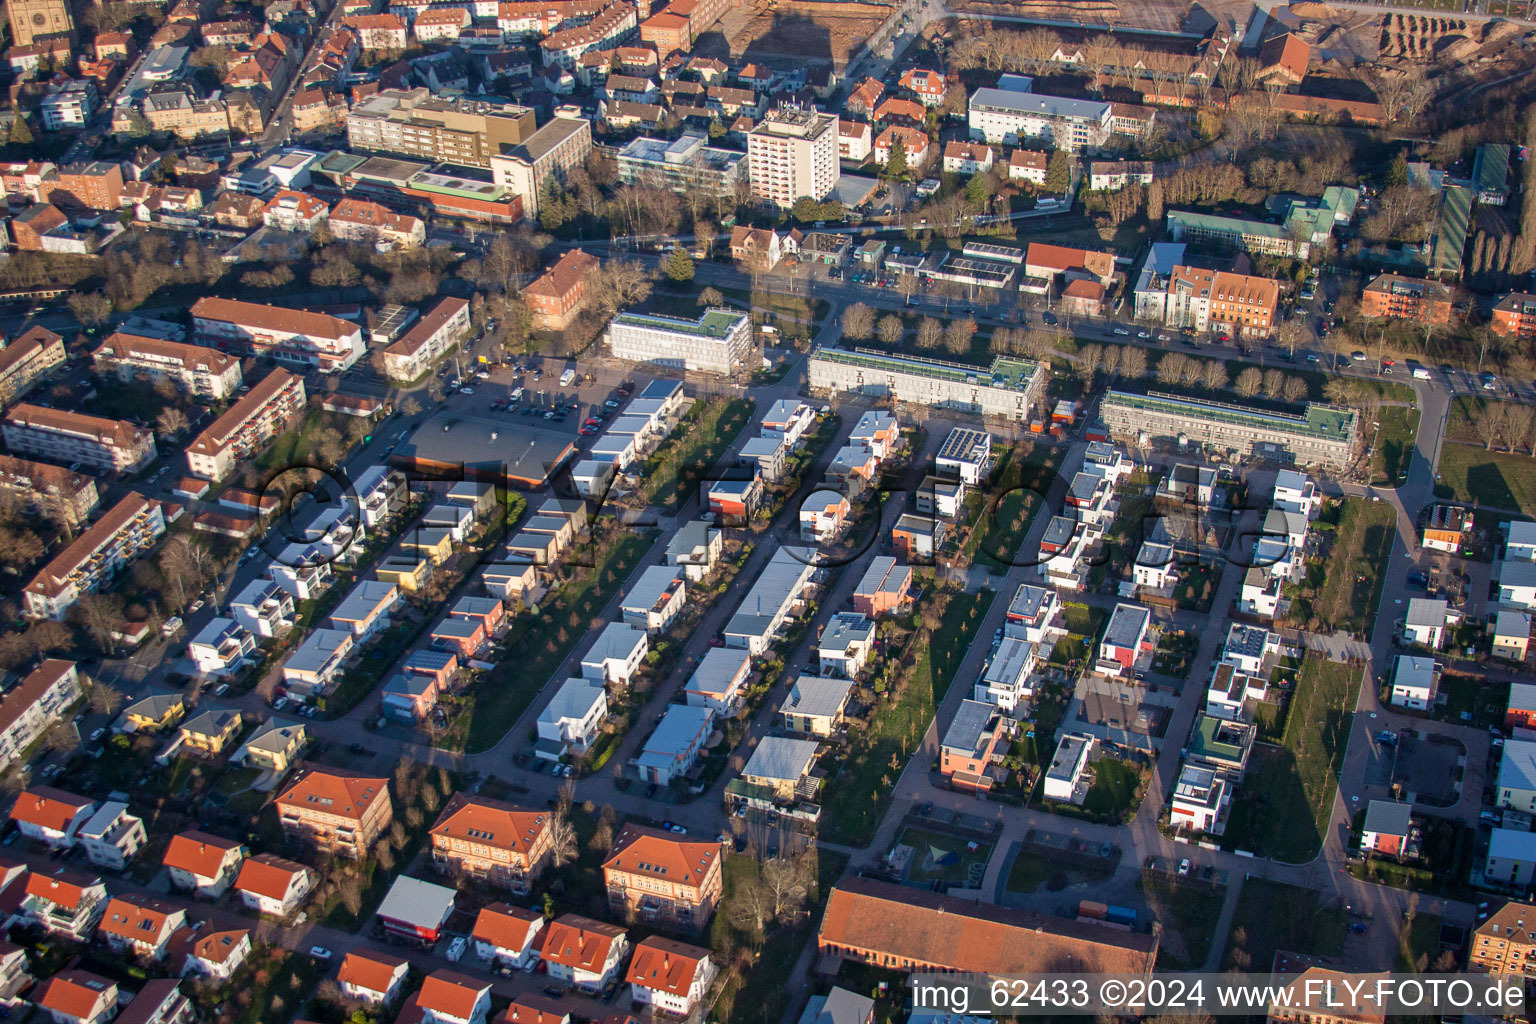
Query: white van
x,y
567,378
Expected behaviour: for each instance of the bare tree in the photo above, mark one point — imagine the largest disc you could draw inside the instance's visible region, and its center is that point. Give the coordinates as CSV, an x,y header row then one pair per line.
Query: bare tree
x,y
930,333
562,840
105,697
1214,375
1293,389
617,285
1249,382
958,335
62,736
890,329
858,322
1133,361
171,421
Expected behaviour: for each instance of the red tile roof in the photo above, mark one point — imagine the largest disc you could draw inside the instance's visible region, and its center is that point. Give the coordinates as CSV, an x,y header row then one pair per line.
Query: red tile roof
x,y
47,807
504,926
63,887
451,993
646,851
198,853
267,875
370,969
75,993
665,965
580,942
138,918
330,792
533,1008
219,945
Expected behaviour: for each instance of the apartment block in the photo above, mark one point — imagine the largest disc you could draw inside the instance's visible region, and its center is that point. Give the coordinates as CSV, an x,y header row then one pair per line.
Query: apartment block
x,y
1210,300
1395,297
558,146
358,220
415,123
688,165
247,427
206,373
717,342
1506,942
26,360
792,153
429,339
1013,112
1515,316
32,706
109,446
95,557
1009,388
41,488
288,335
1321,435
493,842
335,812
664,879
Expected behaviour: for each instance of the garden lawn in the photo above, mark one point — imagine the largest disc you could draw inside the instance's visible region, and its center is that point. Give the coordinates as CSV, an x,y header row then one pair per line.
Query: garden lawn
x,y
1188,914
1273,915
1351,589
534,647
1112,797
1478,477
921,839
857,798
1029,872
1286,799
671,474
1394,444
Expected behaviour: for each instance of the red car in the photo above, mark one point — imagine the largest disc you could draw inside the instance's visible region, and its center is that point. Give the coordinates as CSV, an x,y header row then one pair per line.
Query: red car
x,y
586,431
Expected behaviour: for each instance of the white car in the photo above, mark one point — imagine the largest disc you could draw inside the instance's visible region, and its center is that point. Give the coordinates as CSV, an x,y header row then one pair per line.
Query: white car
x,y
221,689
1184,866
97,734
319,952
195,607
1122,331
280,703
466,391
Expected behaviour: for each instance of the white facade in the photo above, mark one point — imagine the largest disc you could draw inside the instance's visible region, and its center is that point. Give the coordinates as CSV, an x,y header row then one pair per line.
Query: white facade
x,y
574,715
222,647
793,153
715,343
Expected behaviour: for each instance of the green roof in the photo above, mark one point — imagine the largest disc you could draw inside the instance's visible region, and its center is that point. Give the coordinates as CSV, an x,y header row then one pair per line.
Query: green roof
x,y
1004,370
1205,744
714,323
1330,422
1451,230
1225,225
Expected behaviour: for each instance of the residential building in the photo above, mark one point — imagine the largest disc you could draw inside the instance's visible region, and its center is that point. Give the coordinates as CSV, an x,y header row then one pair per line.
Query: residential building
x,y
1514,316
840,1006
1127,644
1115,175
1388,829
673,748
63,902
655,600
572,720
1395,297
900,928
313,667
717,342
1206,300
670,976
688,165
885,588
205,373
222,648
109,446
1028,165
112,837
815,705
77,997
557,147
778,773
1008,680
1008,389
667,880
1034,614
616,655
719,680
1325,436
1415,682
415,123
448,997
1517,776
1504,943
855,141
507,936
271,885
1013,112
1427,622
1445,528
28,360
34,705
264,609
160,1001
1511,858
366,608
294,336
436,334
974,738
769,601
823,514
913,143
792,153
492,842
275,746
582,952
965,455
372,977
1066,780
155,713
845,645
695,548
51,816
1511,634
335,812
555,298
203,864
40,488
209,733
368,223
1201,799
140,926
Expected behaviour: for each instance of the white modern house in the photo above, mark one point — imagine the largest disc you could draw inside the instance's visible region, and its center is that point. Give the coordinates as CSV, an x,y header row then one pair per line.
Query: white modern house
x,y
573,718
616,655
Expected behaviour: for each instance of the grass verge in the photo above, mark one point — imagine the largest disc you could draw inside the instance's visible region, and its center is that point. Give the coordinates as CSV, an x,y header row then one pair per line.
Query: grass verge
x,y
1498,479
1273,915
